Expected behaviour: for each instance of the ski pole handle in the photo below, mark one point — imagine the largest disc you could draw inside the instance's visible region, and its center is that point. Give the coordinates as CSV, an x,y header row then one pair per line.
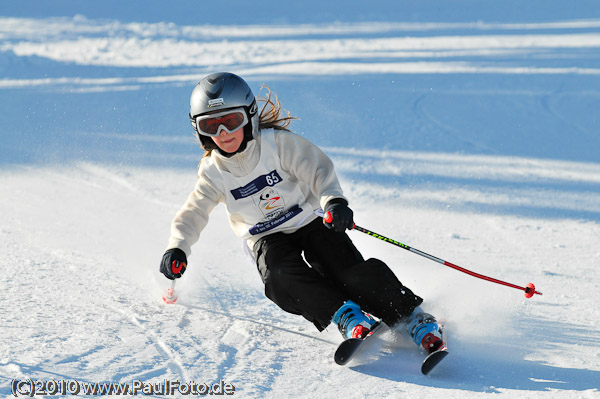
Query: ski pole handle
x,y
327,218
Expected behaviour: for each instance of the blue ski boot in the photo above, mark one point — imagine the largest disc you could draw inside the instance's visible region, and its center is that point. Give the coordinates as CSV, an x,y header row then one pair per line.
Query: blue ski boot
x,y
425,331
353,322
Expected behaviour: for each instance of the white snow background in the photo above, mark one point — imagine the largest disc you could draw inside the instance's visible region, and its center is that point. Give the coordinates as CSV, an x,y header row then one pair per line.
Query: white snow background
x,y
467,129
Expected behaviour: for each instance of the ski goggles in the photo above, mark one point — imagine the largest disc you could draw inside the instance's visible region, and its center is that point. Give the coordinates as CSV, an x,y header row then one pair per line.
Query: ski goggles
x,y
213,124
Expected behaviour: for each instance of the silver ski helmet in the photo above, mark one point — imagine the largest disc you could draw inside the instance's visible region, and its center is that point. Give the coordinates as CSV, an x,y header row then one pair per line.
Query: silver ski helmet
x,y
219,92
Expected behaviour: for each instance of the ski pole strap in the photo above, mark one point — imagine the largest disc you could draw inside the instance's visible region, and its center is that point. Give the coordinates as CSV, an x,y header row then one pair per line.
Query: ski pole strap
x,y
529,289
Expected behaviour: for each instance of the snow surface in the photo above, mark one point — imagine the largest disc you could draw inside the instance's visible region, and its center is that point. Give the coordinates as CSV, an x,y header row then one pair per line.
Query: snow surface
x,y
466,129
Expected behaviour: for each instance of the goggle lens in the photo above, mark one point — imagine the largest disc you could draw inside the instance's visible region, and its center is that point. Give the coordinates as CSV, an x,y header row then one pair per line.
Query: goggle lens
x,y
231,121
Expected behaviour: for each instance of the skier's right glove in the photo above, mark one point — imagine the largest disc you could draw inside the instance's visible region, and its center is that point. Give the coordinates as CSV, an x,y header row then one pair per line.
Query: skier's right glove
x,y
173,264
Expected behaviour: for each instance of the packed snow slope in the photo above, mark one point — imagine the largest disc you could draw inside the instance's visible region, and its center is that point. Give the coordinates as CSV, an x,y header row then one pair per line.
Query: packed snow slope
x,y
467,129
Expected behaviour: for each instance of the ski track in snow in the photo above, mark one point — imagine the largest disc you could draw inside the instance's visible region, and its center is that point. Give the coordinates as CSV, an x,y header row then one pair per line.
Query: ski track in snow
x,y
484,156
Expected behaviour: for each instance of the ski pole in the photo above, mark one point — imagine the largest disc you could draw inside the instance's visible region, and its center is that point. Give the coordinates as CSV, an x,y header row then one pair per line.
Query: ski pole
x,y
529,289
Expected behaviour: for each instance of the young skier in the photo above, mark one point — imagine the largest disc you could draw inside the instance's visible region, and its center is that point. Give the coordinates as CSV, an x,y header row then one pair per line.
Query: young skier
x,y
272,182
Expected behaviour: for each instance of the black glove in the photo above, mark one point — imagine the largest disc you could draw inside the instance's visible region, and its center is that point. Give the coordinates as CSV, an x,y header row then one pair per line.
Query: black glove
x,y
173,264
338,216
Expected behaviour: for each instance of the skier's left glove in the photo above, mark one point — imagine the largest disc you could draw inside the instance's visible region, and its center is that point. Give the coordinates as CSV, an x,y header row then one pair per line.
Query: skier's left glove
x,y
173,264
338,216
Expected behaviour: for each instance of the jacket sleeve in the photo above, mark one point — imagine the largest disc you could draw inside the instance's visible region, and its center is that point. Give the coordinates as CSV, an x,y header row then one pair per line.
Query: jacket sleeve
x,y
309,164
191,219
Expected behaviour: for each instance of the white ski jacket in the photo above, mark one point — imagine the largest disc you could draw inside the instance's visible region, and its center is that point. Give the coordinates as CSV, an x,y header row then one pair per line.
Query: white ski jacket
x,y
275,184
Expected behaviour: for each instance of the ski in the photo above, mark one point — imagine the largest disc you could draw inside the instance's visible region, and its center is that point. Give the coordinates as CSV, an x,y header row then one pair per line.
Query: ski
x,y
352,346
433,359
346,350
349,348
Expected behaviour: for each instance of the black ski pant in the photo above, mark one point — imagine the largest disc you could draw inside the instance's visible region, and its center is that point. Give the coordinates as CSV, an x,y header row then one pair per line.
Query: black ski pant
x,y
314,270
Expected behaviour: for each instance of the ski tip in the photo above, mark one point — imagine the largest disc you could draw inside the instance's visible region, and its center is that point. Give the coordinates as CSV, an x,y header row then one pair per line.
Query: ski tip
x,y
346,350
340,361
433,359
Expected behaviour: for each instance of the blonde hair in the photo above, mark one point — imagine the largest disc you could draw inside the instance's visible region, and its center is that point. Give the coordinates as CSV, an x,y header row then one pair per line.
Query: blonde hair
x,y
270,116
